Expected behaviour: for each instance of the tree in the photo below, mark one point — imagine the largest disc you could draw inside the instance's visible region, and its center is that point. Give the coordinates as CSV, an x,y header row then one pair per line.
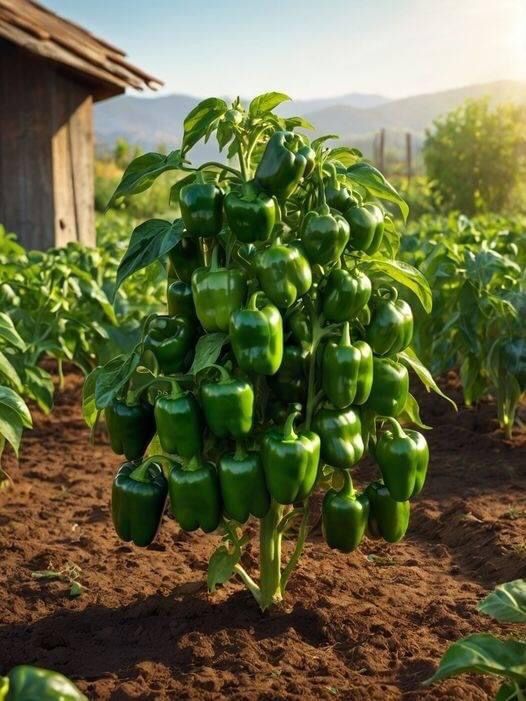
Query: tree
x,y
474,156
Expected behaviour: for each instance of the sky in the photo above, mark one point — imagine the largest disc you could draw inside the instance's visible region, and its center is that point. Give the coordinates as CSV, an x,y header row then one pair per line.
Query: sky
x,y
312,48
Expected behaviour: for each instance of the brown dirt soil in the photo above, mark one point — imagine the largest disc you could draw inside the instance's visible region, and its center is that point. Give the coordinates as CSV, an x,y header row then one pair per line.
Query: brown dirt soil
x,y
354,627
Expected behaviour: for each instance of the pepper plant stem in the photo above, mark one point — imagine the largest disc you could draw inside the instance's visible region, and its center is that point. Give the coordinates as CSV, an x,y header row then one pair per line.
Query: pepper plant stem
x,y
270,557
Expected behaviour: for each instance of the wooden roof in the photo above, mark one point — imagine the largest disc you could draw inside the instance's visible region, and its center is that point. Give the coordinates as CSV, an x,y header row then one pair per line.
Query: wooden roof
x,y
42,32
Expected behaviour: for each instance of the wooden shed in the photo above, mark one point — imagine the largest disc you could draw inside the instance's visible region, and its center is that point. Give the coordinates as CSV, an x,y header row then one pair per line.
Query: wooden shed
x,y
51,73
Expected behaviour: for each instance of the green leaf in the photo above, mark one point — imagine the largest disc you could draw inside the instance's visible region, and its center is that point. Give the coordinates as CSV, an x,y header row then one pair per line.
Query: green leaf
x,y
266,103
150,241
221,566
10,374
405,275
113,376
322,139
142,173
297,123
89,408
14,417
200,120
508,397
409,357
411,412
207,351
345,155
508,692
39,385
9,333
507,603
485,654
376,185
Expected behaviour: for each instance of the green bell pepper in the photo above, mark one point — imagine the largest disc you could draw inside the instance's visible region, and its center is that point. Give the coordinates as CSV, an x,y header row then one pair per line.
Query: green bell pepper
x,y
324,236
290,462
299,324
283,273
390,387
27,683
347,371
388,519
403,458
201,208
251,215
180,300
243,487
345,295
138,497
344,517
340,432
217,293
131,428
290,381
228,405
337,196
285,161
195,496
367,227
391,327
184,258
170,340
179,423
256,336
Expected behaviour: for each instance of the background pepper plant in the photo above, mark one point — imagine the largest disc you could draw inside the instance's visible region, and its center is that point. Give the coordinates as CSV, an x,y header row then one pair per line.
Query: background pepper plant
x,y
284,354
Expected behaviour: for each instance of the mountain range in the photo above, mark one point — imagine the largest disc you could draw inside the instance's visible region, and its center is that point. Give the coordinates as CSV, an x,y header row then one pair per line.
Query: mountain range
x,y
355,117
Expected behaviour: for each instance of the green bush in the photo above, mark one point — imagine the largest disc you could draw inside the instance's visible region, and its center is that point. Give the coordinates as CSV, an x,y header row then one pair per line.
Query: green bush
x,y
475,156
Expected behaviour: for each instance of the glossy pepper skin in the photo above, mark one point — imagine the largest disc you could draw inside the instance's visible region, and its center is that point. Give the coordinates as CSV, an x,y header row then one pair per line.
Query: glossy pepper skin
x,y
345,515
290,461
243,487
27,683
228,406
256,335
340,435
391,327
388,519
403,458
283,273
367,227
179,423
390,387
138,497
347,371
298,322
285,161
201,208
345,295
290,381
325,236
131,428
251,215
169,339
180,300
217,292
195,496
184,258
337,196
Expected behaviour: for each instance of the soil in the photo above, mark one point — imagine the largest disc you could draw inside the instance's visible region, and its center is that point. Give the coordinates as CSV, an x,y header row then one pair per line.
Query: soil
x,y
370,625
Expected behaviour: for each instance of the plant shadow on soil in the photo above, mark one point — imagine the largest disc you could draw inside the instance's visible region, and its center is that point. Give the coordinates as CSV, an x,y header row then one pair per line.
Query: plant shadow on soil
x,y
369,626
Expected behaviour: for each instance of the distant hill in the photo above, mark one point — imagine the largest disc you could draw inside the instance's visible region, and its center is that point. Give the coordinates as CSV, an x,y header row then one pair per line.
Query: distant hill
x,y
355,117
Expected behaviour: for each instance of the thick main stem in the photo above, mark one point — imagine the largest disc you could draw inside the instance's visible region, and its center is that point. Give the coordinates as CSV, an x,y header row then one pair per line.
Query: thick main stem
x,y
270,557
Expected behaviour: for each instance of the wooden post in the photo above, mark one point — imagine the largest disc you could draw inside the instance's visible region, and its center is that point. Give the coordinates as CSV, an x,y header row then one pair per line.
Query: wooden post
x,y
408,157
381,151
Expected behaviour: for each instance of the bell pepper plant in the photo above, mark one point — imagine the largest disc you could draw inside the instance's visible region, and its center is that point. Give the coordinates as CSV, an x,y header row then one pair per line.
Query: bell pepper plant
x,y
283,359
